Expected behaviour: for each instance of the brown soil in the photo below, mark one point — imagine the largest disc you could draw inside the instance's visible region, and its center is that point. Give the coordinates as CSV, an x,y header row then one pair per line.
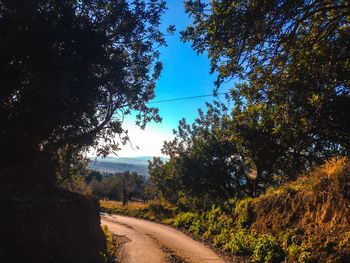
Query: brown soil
x,y
152,242
316,208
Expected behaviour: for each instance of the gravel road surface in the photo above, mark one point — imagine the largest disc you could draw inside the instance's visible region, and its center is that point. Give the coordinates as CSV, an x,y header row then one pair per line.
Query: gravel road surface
x,y
148,242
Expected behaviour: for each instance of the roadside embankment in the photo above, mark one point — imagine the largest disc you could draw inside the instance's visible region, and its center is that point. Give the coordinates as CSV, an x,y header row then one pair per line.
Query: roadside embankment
x,y
50,227
303,221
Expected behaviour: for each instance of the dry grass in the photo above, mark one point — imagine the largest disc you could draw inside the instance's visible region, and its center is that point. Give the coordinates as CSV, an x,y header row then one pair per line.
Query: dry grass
x,y
331,169
315,209
156,210
335,166
134,205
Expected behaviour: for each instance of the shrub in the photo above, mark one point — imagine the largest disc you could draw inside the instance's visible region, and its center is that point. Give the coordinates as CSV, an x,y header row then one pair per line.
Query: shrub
x,y
240,242
185,220
288,236
222,239
230,205
304,257
216,222
296,253
267,249
199,224
244,212
160,210
109,255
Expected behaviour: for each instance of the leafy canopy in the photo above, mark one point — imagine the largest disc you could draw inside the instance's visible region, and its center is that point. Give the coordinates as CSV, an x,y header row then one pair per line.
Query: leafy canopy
x,y
205,166
70,70
291,64
291,56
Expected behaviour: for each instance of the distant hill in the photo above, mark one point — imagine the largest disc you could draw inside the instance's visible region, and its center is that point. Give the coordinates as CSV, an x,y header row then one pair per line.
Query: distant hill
x,y
121,164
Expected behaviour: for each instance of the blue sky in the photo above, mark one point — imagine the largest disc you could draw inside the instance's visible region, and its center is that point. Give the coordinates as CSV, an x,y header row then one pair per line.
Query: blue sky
x,y
184,74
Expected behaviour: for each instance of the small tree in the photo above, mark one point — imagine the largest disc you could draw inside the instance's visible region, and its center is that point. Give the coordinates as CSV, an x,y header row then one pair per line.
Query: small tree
x,y
93,175
205,164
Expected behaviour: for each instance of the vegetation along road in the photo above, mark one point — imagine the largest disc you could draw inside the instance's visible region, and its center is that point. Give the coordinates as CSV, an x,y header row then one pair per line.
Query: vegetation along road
x,y
156,243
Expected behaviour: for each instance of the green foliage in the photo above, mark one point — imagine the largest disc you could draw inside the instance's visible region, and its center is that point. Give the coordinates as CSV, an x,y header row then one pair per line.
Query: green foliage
x,y
288,237
160,210
243,212
165,177
110,254
204,164
225,233
97,62
96,175
221,239
242,226
290,99
290,63
121,186
240,242
217,221
298,253
186,220
267,249
72,165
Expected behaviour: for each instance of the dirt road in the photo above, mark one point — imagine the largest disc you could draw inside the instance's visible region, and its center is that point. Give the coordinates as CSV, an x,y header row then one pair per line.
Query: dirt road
x,y
148,242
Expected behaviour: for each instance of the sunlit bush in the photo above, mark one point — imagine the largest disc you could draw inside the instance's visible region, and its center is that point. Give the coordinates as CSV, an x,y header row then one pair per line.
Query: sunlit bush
x,y
267,249
110,253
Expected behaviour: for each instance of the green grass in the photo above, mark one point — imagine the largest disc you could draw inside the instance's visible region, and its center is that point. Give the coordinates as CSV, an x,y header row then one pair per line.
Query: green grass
x,y
110,254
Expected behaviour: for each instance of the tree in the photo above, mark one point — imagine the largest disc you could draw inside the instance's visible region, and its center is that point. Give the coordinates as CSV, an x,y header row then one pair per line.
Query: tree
x,y
128,185
291,62
108,187
165,179
69,72
204,164
93,175
120,186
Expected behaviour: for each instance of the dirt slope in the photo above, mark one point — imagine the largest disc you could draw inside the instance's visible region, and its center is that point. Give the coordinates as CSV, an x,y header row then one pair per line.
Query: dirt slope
x,y
313,212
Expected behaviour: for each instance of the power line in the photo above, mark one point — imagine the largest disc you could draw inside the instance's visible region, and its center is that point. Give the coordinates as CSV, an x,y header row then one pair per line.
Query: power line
x,y
188,98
